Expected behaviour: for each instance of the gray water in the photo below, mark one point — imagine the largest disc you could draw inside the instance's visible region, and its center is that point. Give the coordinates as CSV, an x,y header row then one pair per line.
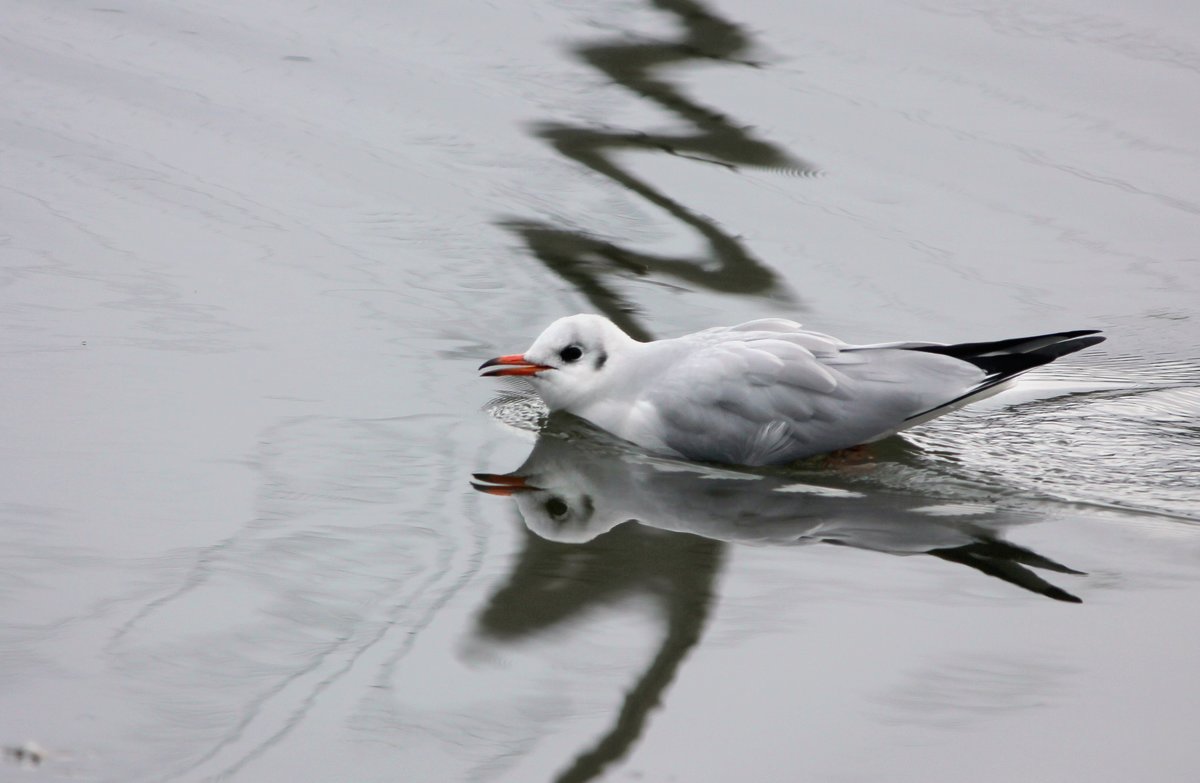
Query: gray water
x,y
253,252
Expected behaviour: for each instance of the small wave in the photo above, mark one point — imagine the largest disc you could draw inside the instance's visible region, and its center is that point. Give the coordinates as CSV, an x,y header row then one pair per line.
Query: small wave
x,y
518,407
803,172
1136,449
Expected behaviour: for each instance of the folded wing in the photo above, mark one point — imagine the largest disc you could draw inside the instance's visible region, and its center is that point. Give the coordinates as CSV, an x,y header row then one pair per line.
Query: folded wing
x,y
769,392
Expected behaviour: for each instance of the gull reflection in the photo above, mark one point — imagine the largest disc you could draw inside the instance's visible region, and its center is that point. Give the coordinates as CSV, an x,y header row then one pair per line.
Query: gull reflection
x,y
579,483
608,523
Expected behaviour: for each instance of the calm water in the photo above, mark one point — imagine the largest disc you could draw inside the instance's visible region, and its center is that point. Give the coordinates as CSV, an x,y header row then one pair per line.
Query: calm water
x,y
253,252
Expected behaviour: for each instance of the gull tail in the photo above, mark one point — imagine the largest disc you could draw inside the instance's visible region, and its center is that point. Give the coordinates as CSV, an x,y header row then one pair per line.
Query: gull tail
x,y
1004,360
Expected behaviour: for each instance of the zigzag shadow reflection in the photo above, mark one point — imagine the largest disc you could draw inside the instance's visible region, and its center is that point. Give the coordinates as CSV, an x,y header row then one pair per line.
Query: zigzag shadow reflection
x,y
584,259
607,522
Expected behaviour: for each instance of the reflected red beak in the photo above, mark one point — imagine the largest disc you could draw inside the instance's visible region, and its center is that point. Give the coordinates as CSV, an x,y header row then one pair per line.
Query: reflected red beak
x,y
513,364
503,486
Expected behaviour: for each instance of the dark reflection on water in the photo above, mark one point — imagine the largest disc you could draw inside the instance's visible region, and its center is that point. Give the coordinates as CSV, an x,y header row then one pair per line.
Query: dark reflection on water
x,y
585,260
608,522
554,581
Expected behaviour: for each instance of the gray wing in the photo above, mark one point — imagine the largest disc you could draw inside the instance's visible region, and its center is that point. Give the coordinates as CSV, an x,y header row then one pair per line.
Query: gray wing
x,y
769,392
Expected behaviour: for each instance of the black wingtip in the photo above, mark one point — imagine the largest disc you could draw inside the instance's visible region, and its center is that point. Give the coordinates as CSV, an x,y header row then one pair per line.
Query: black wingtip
x,y
1006,358
1072,344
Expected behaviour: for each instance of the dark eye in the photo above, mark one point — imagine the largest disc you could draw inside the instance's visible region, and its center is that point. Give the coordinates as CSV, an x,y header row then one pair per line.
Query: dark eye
x,y
556,508
571,353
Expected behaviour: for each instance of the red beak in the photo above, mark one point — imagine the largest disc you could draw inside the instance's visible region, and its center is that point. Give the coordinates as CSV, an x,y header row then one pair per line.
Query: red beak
x,y
503,486
513,364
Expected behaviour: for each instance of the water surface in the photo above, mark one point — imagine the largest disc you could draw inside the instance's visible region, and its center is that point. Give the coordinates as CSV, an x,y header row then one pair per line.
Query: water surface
x,y
252,254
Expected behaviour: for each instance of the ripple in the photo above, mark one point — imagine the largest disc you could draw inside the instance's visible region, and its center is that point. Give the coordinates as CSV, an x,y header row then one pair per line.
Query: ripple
x,y
518,407
1134,448
803,172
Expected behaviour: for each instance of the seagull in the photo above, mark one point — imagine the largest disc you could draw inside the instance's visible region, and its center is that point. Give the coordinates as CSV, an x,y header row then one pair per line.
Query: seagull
x,y
765,392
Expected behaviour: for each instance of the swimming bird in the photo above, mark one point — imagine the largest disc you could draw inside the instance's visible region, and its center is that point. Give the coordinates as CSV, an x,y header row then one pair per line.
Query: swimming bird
x,y
767,391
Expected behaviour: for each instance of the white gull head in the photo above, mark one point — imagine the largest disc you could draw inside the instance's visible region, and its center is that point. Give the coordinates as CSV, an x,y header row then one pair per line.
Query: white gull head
x,y
575,362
